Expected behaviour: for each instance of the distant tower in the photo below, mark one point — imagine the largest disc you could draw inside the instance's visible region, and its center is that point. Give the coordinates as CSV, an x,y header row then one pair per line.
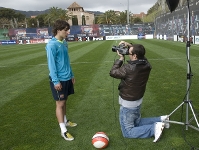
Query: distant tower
x,y
82,17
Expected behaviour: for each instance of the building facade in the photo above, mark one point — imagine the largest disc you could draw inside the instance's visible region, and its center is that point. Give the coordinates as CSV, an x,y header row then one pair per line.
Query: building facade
x,y
141,15
79,16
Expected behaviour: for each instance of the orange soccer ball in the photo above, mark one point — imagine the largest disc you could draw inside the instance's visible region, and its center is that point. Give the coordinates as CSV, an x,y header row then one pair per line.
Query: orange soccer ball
x,y
100,140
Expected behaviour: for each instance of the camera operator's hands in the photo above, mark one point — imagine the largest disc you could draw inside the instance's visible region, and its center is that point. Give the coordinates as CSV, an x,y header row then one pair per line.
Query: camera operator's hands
x,y
122,42
121,56
125,43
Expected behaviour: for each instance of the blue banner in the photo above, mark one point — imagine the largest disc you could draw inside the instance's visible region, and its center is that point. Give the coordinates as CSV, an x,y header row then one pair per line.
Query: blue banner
x,y
11,42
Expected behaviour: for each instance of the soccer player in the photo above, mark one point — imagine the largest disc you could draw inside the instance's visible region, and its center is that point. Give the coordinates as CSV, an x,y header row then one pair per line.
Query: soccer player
x,y
61,75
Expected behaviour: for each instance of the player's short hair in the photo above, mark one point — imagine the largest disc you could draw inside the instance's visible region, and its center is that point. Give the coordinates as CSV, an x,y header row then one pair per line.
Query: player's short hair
x,y
60,25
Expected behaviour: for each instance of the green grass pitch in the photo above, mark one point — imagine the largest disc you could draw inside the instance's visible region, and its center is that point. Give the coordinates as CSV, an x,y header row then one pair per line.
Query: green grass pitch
x,y
27,109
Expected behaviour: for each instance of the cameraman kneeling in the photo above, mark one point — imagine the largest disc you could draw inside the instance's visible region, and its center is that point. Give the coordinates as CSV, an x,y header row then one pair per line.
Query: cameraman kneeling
x,y
134,76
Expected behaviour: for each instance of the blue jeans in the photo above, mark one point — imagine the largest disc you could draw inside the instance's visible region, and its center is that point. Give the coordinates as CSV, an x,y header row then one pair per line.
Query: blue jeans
x,y
133,126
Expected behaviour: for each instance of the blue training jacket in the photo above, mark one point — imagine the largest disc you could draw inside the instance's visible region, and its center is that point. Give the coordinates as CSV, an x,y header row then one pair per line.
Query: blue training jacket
x,y
58,61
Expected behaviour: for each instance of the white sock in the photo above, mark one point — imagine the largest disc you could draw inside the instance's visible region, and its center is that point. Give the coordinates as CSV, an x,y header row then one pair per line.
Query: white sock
x,y
62,127
163,118
65,119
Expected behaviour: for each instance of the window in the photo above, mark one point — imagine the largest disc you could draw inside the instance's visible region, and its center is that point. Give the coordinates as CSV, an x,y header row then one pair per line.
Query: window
x,y
74,20
87,17
83,20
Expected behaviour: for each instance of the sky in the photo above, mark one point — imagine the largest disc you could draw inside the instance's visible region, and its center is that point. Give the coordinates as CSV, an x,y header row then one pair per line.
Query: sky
x,y
89,5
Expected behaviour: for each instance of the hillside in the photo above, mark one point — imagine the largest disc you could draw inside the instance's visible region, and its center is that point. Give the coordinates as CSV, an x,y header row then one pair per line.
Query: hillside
x,y
35,13
32,13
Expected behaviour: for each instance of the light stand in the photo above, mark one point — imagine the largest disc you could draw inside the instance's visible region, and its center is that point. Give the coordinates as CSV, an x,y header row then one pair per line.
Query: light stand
x,y
187,102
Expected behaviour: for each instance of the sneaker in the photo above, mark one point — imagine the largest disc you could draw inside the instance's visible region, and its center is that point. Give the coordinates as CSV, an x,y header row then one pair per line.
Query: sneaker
x,y
159,126
165,119
67,136
70,124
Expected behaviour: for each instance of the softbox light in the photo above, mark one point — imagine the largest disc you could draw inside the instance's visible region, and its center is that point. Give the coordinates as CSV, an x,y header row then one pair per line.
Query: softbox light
x,y
172,4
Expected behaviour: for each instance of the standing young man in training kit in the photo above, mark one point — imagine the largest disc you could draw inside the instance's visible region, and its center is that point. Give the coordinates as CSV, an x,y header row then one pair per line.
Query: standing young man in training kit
x,y
134,76
61,75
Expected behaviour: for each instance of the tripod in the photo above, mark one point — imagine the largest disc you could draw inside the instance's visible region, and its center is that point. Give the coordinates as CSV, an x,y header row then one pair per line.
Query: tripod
x,y
187,102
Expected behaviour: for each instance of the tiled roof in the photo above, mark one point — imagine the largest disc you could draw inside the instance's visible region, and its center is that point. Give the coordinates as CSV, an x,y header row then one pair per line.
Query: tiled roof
x,y
74,5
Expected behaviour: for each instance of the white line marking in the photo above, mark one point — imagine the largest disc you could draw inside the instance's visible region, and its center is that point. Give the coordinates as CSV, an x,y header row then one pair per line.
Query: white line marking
x,y
98,62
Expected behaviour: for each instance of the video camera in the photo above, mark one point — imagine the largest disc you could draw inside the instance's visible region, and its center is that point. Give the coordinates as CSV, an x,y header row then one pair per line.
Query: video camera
x,y
122,49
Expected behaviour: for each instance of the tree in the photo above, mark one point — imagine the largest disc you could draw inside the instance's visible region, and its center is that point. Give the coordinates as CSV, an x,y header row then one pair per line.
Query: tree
x,y
5,23
122,18
109,17
56,13
32,22
11,17
137,20
41,20
7,13
113,17
20,17
96,19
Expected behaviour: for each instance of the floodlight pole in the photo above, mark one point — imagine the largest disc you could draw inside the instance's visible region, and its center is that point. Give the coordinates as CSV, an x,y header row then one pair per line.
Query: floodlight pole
x,y
189,76
127,14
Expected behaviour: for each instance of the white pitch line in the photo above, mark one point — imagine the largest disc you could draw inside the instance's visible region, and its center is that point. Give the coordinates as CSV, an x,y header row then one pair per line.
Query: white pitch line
x,y
164,58
98,62
88,62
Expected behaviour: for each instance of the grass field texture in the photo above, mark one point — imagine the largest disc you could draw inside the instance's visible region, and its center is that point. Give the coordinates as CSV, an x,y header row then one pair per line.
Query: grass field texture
x,y
27,109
